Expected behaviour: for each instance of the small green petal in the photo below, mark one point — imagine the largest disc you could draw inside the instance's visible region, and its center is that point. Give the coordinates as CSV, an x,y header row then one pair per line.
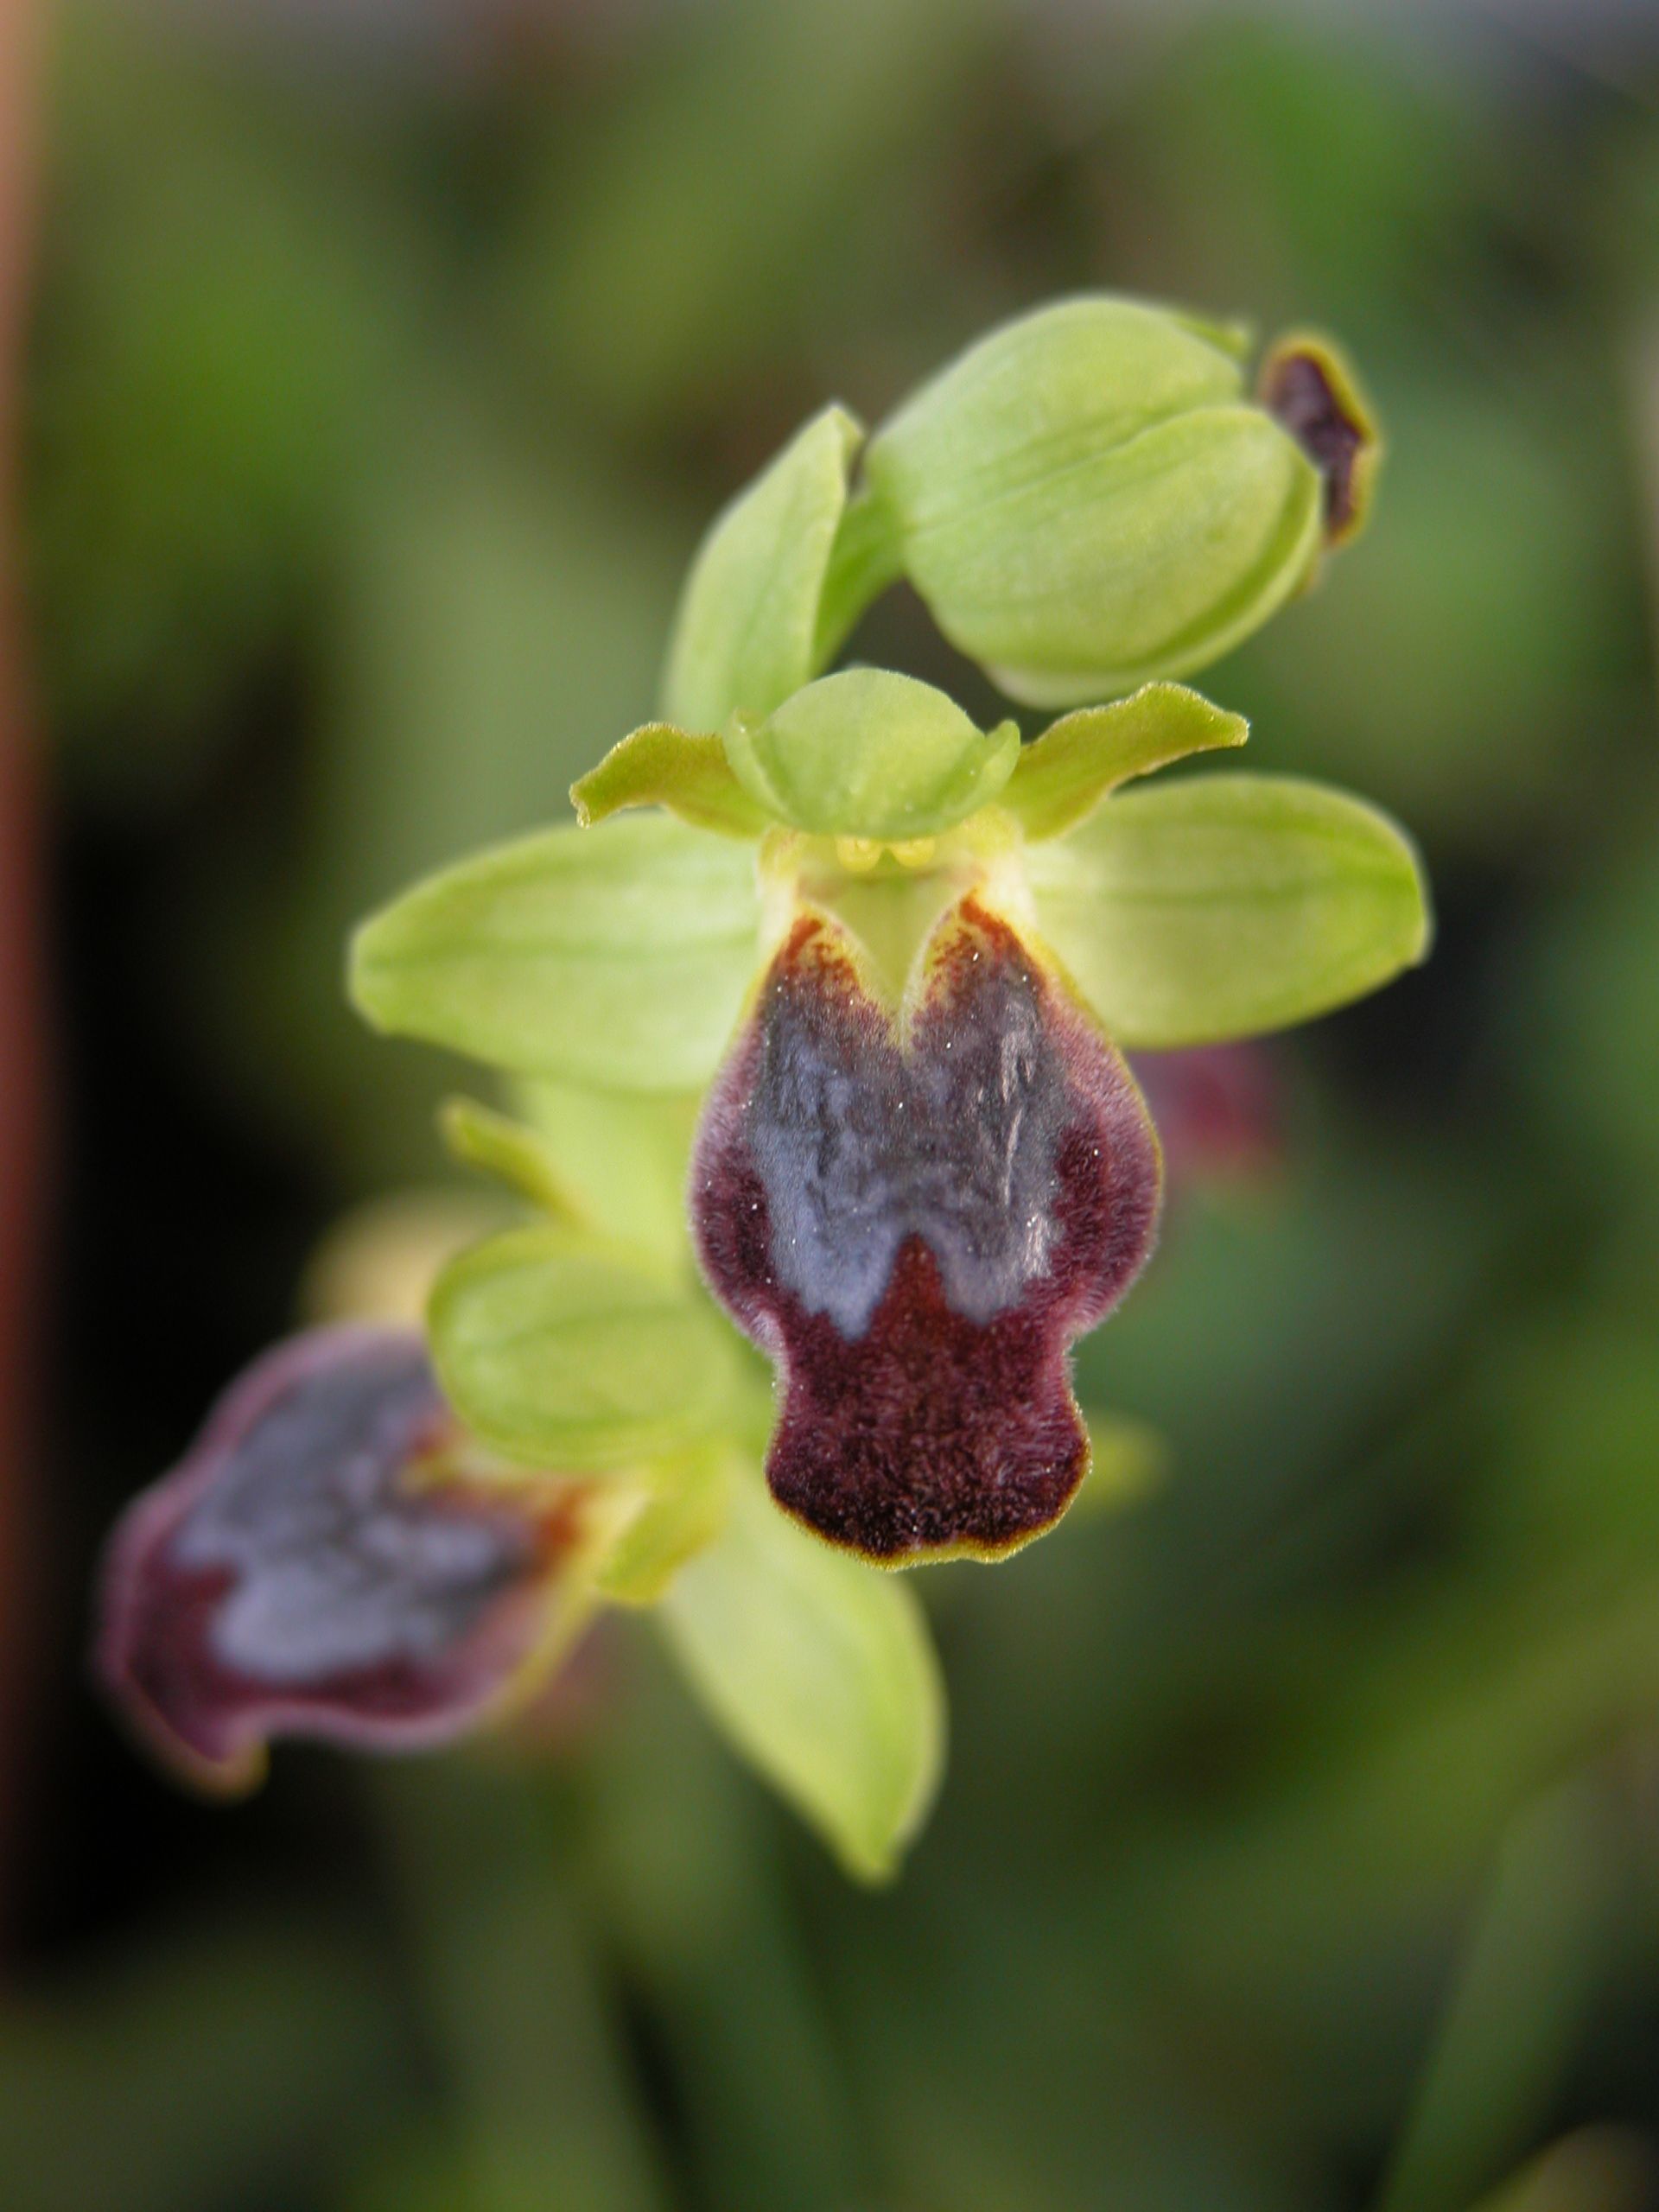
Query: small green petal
x,y
661,766
866,753
821,1673
611,1162
685,1509
617,957
1226,905
743,639
570,1352
1063,777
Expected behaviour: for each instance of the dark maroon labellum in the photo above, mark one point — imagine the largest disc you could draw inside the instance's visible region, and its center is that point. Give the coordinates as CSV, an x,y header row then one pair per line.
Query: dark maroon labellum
x,y
915,1219
311,1569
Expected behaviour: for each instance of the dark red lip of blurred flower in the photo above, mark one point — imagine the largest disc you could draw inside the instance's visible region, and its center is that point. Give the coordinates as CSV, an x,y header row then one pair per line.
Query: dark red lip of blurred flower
x,y
915,1224
1218,1108
310,1569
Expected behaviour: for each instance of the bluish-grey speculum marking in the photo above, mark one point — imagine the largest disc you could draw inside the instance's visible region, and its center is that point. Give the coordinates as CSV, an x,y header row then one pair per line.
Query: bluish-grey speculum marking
x,y
957,1148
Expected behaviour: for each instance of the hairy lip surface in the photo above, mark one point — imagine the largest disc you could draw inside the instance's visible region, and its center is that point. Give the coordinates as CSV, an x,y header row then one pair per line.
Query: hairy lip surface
x,y
287,1577
915,1223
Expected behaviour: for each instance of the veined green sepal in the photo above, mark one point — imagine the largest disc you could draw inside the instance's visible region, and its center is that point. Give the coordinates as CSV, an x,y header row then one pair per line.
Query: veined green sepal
x,y
569,1350
1219,906
821,1672
617,957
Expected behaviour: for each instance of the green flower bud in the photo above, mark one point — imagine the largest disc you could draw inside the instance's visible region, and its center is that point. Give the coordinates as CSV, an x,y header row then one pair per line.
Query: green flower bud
x,y
1088,498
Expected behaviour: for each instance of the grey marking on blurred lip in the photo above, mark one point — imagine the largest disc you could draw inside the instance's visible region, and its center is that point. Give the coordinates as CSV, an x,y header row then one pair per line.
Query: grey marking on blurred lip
x,y
338,1567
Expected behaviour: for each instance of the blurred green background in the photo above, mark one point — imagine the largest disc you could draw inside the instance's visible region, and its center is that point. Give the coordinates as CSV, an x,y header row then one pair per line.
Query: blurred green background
x,y
1300,1845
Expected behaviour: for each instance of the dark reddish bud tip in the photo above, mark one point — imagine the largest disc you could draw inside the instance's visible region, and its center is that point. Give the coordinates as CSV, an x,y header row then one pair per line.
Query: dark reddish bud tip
x,y
313,1568
1310,390
916,1219
1218,1110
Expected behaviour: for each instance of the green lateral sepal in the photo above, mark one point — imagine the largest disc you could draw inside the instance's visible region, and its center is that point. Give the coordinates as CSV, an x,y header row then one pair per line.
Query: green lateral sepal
x,y
617,957
1221,906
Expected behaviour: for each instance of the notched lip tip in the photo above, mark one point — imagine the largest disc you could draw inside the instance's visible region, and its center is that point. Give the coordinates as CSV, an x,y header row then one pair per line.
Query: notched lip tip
x,y
228,1782
146,1727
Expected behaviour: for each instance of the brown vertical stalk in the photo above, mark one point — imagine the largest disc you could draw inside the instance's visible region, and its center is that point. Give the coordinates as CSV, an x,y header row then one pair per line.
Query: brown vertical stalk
x,y
22,1071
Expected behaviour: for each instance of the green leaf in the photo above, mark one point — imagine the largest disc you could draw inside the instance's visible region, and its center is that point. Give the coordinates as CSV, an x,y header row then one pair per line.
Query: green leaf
x,y
1063,777
1224,906
567,1352
1085,499
821,1671
622,1157
686,1509
743,639
661,766
866,753
617,955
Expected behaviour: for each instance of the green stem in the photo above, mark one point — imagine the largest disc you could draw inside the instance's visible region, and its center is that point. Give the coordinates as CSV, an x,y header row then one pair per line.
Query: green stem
x,y
698,1912
1534,1951
540,2104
